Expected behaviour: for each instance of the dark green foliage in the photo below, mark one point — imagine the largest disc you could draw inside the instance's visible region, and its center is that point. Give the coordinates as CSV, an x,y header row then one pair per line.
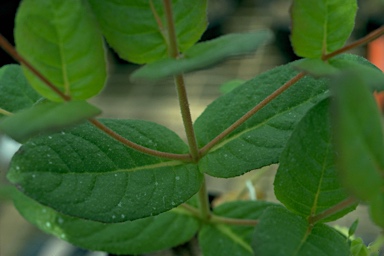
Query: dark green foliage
x,y
138,187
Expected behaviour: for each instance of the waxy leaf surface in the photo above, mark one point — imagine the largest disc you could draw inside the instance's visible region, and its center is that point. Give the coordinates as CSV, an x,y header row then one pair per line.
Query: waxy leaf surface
x,y
205,54
61,40
130,27
307,181
280,232
321,26
44,117
149,234
220,239
84,173
15,92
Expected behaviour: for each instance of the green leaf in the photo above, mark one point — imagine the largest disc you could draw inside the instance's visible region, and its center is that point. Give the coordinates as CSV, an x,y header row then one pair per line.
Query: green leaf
x,y
260,140
61,40
131,29
230,85
84,173
205,54
307,181
353,227
358,248
373,76
321,26
44,117
220,239
317,67
15,92
132,237
376,209
281,232
359,137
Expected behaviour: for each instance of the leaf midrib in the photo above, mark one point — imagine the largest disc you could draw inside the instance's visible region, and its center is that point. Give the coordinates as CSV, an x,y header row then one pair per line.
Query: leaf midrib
x,y
265,122
139,168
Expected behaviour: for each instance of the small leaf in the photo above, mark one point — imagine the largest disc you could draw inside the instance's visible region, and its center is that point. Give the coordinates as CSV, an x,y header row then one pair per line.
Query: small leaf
x,y
359,137
373,76
46,117
61,40
358,248
321,26
353,227
220,239
316,67
132,237
84,173
281,232
307,181
205,54
142,41
15,92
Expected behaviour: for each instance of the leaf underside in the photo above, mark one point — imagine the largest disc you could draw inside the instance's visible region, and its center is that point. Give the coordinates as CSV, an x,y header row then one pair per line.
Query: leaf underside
x,y
321,27
149,234
64,44
143,41
205,54
46,117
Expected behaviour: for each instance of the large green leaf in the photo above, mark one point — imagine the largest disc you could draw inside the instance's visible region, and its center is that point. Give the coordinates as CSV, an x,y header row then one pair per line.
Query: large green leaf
x,y
220,239
132,237
46,117
15,92
62,41
205,54
281,232
307,181
260,140
130,27
321,26
83,172
359,137
359,140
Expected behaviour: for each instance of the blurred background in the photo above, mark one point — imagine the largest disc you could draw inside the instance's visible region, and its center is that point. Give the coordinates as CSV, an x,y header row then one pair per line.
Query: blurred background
x,y
156,101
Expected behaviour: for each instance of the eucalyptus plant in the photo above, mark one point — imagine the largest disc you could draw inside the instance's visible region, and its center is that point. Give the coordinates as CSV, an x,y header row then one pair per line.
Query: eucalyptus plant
x,y
134,186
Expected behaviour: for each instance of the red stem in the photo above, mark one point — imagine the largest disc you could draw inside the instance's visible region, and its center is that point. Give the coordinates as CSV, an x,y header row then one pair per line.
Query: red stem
x,y
12,52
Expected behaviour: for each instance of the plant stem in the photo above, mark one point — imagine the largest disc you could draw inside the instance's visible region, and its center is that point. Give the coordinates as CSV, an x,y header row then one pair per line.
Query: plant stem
x,y
5,112
131,144
205,211
219,219
250,113
173,52
368,38
12,52
334,209
233,221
